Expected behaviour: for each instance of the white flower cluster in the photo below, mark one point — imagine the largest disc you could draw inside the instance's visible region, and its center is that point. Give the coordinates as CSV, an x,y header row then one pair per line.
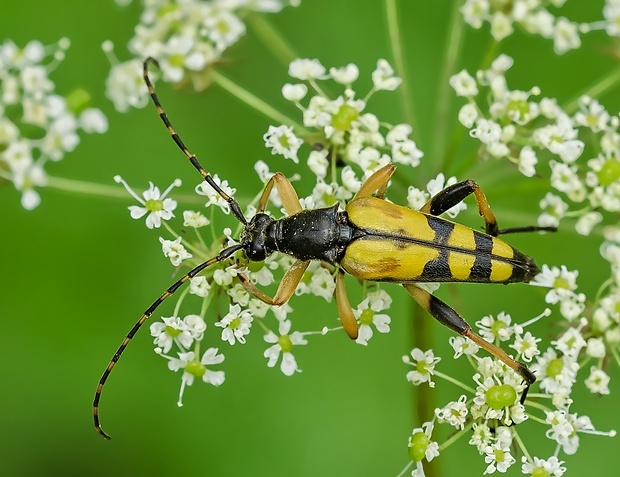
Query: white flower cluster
x,y
534,17
523,130
38,125
186,37
340,130
488,413
180,340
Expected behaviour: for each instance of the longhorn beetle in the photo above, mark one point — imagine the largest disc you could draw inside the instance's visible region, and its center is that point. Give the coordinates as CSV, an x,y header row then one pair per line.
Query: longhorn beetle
x,y
372,239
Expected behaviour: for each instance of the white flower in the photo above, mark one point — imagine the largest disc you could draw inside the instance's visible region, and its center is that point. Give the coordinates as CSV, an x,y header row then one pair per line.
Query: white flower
x,y
422,447
25,182
595,348
235,325
565,429
501,26
497,329
172,330
416,198
192,368
125,86
560,138
224,28
464,84
526,346
194,219
468,114
214,198
424,363
527,161
497,395
294,92
155,204
306,69
318,162
322,284
554,208
92,120
463,346
283,344
199,286
551,467
366,314
598,381
498,458
565,36
406,152
383,77
560,279
346,74
481,436
556,373
282,140
454,413
174,250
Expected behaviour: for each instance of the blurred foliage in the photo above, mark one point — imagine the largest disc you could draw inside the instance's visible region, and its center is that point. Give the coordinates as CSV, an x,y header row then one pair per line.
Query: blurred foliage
x,y
77,272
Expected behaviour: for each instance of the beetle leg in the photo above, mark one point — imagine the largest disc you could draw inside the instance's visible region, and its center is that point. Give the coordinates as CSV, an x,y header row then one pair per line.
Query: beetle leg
x,y
286,288
286,191
450,318
377,182
456,193
347,318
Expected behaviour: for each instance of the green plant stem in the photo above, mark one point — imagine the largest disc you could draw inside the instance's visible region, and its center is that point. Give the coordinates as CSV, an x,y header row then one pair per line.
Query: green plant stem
x,y
103,190
271,38
399,62
603,85
423,401
450,379
451,56
456,436
256,103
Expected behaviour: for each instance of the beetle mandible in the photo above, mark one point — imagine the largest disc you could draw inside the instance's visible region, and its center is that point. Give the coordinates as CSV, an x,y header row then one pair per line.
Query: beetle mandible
x,y
372,239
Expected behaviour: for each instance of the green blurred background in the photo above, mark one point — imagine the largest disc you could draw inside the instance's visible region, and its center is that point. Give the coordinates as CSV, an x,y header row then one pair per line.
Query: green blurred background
x,y
77,272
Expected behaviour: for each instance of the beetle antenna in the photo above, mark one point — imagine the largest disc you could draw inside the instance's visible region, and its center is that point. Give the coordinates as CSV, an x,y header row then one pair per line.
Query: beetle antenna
x,y
227,252
232,203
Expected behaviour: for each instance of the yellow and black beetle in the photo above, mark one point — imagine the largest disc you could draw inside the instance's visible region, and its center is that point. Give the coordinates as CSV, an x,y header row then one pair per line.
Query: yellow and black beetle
x,y
372,239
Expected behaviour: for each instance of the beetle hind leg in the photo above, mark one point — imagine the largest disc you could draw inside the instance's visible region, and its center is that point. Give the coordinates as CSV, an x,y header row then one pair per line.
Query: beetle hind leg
x,y
450,318
456,193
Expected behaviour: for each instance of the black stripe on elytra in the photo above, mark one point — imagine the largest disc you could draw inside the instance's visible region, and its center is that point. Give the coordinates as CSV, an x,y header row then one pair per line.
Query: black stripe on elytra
x,y
481,269
439,268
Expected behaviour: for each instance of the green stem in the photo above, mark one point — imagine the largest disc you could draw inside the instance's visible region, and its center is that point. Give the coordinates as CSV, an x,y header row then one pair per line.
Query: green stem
x,y
177,307
272,38
103,190
399,62
520,443
602,86
450,379
256,103
452,51
456,436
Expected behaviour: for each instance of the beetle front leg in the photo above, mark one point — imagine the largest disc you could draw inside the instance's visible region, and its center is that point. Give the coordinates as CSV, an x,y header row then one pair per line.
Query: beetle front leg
x,y
287,286
286,191
377,182
345,312
450,318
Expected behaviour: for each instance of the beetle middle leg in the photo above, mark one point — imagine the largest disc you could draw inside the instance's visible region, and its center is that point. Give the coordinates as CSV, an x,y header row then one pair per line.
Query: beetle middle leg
x,y
450,318
456,193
